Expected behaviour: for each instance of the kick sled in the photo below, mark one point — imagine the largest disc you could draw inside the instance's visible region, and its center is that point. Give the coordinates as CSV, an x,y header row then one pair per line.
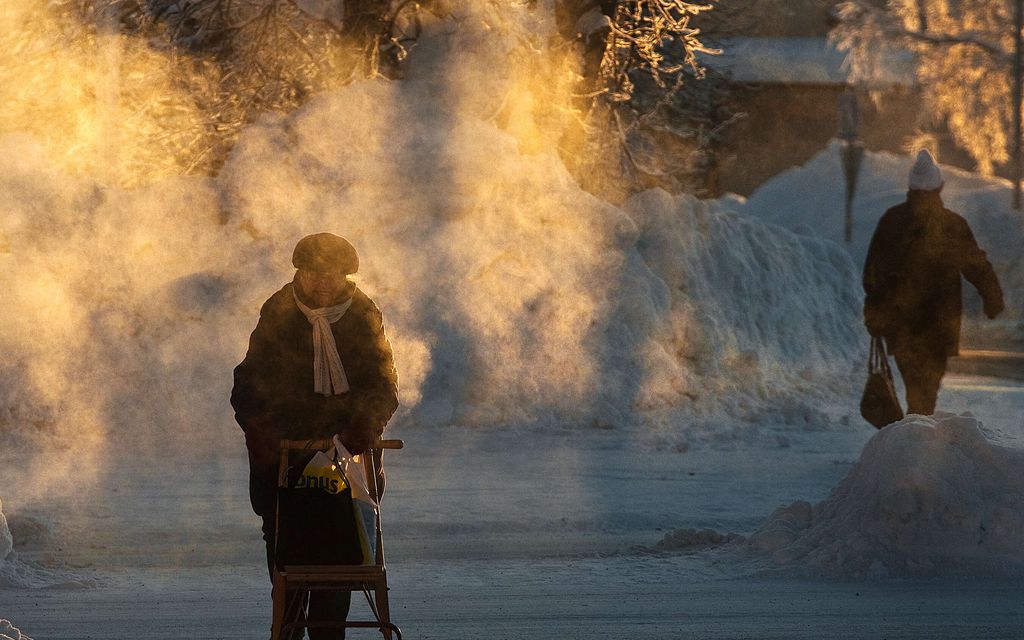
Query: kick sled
x,y
293,583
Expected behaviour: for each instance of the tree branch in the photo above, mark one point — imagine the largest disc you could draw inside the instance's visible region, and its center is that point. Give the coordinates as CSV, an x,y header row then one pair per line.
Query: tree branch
x,y
948,39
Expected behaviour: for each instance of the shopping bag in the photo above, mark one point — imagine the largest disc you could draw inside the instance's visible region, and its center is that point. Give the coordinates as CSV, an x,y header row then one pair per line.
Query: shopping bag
x,y
364,506
322,472
880,405
316,517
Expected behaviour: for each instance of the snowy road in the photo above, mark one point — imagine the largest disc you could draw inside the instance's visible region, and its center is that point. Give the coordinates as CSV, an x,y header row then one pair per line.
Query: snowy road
x,y
622,598
507,534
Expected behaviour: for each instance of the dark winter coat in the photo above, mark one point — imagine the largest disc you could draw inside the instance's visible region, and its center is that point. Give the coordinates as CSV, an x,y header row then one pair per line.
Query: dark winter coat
x,y
912,274
273,394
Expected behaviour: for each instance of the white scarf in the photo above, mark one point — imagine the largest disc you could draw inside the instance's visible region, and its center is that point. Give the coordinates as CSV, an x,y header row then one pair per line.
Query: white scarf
x,y
328,372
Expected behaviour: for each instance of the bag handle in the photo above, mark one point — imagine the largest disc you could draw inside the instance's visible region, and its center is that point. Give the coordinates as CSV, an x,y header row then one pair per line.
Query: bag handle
x,y
878,359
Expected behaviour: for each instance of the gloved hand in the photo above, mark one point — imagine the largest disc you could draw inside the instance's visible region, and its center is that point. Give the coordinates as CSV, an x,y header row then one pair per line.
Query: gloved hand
x,y
356,443
994,308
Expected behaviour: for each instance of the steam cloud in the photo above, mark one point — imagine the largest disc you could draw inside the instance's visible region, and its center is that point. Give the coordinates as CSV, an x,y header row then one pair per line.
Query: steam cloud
x,y
511,296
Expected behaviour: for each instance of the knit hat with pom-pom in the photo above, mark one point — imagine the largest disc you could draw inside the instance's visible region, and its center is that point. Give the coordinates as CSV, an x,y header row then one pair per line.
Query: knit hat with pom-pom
x,y
925,175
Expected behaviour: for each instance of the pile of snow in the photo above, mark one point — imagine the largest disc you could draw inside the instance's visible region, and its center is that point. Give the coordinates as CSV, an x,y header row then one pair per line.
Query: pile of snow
x,y
10,632
19,574
510,294
6,540
928,495
758,317
810,200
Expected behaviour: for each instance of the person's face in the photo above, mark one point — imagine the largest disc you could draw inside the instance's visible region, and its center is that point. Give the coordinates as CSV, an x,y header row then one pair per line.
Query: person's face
x,y
322,288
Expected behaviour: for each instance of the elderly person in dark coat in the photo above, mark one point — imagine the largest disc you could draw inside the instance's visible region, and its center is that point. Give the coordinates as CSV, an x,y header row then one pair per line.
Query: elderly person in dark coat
x,y
319,364
912,275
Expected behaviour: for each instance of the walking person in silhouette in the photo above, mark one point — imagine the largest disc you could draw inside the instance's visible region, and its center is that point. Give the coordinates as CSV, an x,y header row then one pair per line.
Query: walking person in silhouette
x,y
918,254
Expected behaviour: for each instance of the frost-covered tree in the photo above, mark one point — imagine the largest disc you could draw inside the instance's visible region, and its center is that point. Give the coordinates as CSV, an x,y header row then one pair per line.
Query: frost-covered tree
x,y
255,56
103,102
962,56
653,38
161,87
654,114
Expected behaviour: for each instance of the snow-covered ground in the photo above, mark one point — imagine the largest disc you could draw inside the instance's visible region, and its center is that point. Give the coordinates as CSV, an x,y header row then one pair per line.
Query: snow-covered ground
x,y
594,397
564,536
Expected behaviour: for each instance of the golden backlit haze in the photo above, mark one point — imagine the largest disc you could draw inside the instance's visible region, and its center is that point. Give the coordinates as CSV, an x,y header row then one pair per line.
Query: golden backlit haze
x,y
961,54
131,306
106,105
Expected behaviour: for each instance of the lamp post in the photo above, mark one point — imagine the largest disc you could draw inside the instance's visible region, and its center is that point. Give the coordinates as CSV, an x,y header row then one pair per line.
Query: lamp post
x,y
851,153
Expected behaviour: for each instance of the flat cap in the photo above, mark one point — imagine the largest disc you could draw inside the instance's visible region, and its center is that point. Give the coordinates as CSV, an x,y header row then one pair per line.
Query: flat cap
x,y
325,252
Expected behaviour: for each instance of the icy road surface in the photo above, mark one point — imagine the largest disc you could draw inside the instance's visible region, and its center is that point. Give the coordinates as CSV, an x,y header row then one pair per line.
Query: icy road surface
x,y
503,534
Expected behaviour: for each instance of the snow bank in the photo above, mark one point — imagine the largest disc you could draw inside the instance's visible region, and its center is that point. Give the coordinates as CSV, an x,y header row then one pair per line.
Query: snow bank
x,y
928,495
6,541
810,200
10,632
758,317
19,574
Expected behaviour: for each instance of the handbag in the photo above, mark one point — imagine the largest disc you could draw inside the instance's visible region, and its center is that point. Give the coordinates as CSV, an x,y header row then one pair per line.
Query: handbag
x,y
880,405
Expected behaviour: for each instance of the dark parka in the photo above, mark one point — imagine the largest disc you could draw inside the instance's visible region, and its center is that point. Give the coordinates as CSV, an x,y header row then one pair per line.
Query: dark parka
x,y
912,274
273,394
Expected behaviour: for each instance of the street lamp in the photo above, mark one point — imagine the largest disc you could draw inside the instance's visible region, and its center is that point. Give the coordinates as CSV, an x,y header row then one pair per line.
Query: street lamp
x,y
851,153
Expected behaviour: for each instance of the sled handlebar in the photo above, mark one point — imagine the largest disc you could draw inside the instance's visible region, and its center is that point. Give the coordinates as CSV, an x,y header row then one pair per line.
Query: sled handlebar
x,y
325,443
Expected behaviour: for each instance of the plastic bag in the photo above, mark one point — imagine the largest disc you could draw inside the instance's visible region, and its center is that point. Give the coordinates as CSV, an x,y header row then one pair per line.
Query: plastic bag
x,y
364,507
322,472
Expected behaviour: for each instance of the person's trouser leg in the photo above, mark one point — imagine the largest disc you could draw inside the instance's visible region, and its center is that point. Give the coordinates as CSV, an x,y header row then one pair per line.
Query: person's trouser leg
x,y
263,496
328,605
922,372
323,605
